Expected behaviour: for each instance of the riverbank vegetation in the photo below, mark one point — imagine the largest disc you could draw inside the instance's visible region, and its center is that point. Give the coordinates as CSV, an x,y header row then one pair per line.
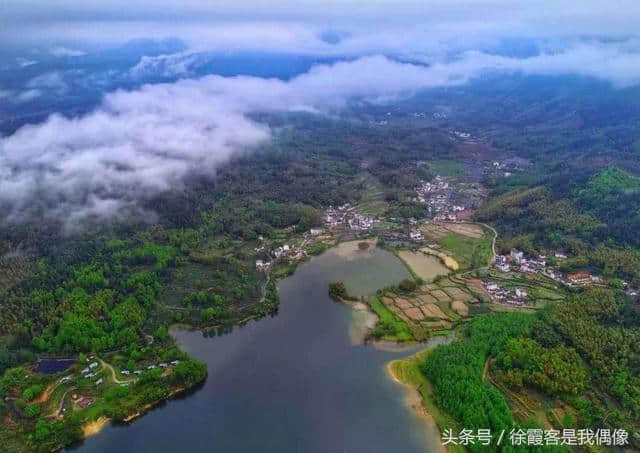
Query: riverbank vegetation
x,y
408,371
389,326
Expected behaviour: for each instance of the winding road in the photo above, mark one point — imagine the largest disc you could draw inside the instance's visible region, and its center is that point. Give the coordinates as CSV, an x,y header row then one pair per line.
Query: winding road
x,y
493,242
113,374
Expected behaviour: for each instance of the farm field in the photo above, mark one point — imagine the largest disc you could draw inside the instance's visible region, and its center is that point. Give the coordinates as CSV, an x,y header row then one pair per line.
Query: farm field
x,y
427,267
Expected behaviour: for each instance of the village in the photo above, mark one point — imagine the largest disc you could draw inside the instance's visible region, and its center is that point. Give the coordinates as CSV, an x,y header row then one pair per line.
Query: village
x,y
344,219
504,296
85,381
449,200
516,261
506,167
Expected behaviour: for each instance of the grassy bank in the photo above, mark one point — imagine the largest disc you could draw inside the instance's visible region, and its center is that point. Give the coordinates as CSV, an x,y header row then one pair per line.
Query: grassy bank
x,y
389,327
407,371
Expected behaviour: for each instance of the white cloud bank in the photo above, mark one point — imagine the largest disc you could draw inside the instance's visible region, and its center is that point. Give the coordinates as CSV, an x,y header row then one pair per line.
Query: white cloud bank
x,y
140,143
61,51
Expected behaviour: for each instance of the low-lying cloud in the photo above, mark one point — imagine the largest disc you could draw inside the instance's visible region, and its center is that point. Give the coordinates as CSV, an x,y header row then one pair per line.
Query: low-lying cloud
x,y
140,143
61,51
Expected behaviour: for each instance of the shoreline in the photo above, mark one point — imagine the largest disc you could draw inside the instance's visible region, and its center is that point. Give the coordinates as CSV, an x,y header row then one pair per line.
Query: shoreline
x,y
406,373
94,427
446,260
413,398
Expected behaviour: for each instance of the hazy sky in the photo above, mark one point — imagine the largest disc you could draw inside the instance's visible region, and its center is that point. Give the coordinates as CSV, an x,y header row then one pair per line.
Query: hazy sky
x,y
138,143
400,26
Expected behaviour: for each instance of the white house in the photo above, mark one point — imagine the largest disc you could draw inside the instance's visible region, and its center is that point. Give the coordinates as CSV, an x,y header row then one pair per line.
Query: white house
x,y
517,255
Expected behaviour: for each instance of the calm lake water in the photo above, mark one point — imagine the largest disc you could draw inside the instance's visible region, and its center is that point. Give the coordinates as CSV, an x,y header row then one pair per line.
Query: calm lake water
x,y
292,383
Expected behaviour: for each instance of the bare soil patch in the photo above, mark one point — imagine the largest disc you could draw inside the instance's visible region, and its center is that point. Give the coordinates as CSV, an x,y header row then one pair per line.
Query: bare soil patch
x,y
440,295
466,229
460,308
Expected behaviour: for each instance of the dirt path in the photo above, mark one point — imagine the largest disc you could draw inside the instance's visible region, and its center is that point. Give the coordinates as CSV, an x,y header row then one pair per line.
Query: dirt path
x,y
44,396
264,288
58,412
113,373
493,242
485,371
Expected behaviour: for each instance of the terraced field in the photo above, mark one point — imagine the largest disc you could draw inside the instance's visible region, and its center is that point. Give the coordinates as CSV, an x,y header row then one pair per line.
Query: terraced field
x,y
372,202
431,308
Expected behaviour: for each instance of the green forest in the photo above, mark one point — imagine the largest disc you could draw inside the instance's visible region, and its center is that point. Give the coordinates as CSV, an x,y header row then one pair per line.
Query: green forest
x,y
584,353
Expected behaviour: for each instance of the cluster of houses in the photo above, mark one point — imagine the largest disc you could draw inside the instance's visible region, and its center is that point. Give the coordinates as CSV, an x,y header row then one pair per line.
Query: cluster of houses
x,y
505,296
508,166
346,216
289,252
89,372
438,195
150,367
286,251
262,265
516,261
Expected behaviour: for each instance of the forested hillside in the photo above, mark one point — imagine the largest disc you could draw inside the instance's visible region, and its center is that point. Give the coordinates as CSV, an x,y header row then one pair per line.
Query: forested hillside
x,y
582,355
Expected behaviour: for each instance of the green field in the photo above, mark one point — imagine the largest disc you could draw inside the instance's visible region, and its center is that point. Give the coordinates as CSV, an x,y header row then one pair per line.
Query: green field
x,y
389,326
469,252
447,168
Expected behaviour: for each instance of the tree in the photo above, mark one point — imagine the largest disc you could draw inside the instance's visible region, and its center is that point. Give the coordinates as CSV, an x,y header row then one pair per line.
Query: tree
x,y
407,285
189,372
42,431
338,291
32,410
32,392
363,245
616,283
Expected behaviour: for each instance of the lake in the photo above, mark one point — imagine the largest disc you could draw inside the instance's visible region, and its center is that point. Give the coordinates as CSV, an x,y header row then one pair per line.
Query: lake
x,y
296,382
